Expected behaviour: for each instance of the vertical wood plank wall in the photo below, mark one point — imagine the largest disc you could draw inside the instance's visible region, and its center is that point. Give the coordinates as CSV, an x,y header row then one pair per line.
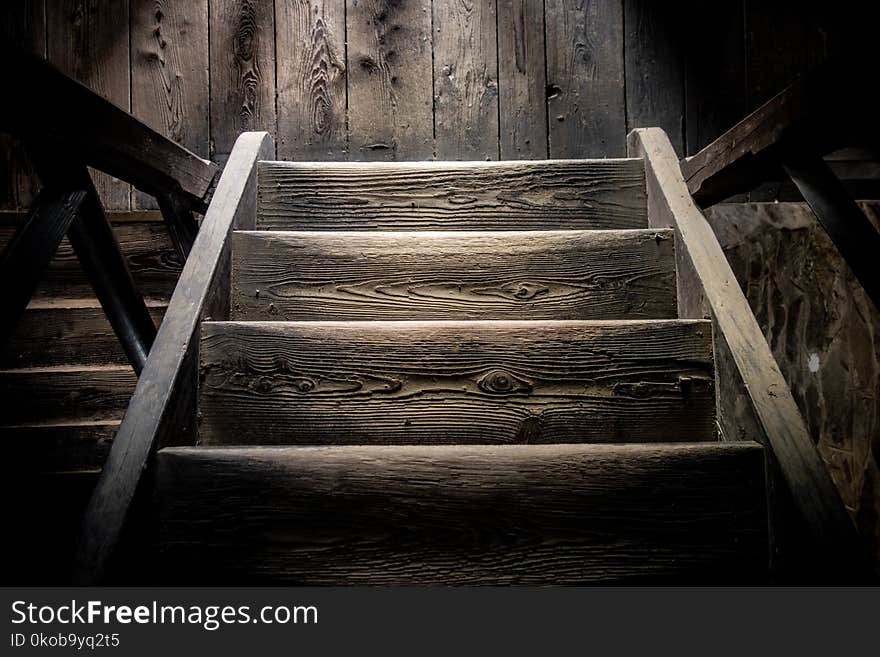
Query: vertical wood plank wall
x,y
419,79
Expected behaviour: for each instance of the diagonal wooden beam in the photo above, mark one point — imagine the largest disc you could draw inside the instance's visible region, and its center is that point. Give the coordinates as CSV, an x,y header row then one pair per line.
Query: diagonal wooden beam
x,y
54,106
849,229
94,243
27,255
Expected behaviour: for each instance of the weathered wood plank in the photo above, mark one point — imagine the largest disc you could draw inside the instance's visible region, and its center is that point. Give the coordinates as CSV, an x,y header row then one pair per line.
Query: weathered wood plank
x,y
390,96
310,44
715,72
526,515
25,257
455,275
585,78
58,394
100,133
242,35
22,24
812,489
95,245
89,41
162,408
66,332
522,94
146,246
655,67
74,446
466,80
456,382
535,195
857,240
169,73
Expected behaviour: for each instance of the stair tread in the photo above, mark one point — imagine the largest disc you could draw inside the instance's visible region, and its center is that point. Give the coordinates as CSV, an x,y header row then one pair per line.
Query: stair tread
x,y
479,514
479,381
453,275
513,195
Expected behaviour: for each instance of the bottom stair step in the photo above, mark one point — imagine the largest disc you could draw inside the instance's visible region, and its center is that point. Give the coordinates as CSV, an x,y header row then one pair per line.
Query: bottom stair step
x,y
483,514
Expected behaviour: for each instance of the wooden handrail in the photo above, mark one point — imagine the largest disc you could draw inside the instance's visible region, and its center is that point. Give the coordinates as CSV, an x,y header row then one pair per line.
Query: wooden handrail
x,y
162,409
52,107
707,286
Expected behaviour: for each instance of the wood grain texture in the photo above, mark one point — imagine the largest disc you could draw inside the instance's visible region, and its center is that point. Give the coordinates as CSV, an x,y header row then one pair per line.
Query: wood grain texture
x,y
715,72
66,332
805,474
390,96
454,515
56,394
537,195
455,275
65,447
466,80
162,409
242,34
22,24
89,41
151,258
824,334
455,382
169,74
522,80
585,78
654,62
310,44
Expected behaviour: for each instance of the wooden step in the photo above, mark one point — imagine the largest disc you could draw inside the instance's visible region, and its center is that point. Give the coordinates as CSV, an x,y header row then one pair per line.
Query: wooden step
x,y
456,382
59,446
147,249
626,274
67,332
515,514
520,195
63,394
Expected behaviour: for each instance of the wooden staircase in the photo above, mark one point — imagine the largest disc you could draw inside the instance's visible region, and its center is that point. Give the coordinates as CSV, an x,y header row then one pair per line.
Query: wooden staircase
x,y
457,373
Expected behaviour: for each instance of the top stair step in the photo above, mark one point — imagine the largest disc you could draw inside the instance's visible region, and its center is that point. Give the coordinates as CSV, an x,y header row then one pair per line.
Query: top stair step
x,y
519,195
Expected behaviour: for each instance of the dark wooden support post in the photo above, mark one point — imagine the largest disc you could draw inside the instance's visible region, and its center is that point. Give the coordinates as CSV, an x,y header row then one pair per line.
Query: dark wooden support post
x,y
180,221
25,258
94,243
847,226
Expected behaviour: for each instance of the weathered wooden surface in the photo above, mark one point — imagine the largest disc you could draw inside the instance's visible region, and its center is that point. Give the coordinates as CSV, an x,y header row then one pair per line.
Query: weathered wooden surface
x,y
654,60
735,56
310,44
857,240
455,275
25,257
585,78
146,246
522,95
456,382
390,57
242,65
824,334
22,24
57,394
536,514
466,80
538,195
68,446
813,491
89,41
169,73
66,332
163,405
